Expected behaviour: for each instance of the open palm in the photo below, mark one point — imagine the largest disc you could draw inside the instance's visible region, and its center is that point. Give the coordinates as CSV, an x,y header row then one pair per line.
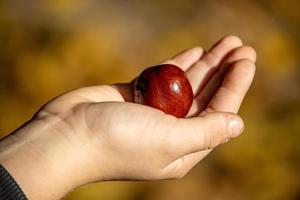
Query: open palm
x,y
140,142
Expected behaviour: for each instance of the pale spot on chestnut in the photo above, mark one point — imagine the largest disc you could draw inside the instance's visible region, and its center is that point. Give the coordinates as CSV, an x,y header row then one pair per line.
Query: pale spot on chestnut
x,y
175,87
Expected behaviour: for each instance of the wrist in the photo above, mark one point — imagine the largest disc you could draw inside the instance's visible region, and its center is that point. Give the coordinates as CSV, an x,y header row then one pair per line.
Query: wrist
x,y
45,159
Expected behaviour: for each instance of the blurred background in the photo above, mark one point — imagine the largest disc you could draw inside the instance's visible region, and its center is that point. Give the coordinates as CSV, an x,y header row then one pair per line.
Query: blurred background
x,y
52,46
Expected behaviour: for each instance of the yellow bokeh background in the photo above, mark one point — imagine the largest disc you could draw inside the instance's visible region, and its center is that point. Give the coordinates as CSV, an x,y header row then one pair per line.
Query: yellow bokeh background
x,y
49,47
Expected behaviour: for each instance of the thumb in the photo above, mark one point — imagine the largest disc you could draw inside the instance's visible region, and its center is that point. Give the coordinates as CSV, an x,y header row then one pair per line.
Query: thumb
x,y
205,132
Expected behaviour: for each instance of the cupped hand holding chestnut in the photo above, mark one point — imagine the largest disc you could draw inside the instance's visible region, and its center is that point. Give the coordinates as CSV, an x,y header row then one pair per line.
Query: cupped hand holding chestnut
x,y
158,126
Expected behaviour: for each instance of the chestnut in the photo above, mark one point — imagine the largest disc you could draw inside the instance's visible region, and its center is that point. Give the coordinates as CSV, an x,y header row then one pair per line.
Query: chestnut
x,y
166,88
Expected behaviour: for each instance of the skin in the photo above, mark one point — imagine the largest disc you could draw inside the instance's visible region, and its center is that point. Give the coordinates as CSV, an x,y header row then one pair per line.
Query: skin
x,y
97,134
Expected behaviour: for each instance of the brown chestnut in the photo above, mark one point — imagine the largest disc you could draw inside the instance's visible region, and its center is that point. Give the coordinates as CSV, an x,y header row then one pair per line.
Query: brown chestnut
x,y
166,88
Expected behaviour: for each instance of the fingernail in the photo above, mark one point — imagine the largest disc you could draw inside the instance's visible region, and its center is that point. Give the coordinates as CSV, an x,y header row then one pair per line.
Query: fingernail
x,y
235,127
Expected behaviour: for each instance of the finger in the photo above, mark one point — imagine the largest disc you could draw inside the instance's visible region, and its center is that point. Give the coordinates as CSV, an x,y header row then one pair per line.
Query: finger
x,y
224,102
186,58
190,135
244,52
201,101
183,60
231,93
240,53
205,95
202,70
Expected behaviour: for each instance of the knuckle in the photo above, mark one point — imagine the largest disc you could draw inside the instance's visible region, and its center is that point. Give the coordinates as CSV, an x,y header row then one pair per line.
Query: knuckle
x,y
218,128
226,118
206,135
252,51
240,53
210,59
208,141
247,65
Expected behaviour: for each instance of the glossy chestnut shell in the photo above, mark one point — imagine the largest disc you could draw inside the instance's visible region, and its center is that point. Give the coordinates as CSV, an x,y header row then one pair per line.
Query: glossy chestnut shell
x,y
166,88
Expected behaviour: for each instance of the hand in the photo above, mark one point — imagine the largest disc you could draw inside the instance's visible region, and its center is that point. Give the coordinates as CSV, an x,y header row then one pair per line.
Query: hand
x,y
97,134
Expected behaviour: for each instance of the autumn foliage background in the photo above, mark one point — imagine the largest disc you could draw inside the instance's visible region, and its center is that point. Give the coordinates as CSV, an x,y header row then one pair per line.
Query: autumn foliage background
x,y
49,47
